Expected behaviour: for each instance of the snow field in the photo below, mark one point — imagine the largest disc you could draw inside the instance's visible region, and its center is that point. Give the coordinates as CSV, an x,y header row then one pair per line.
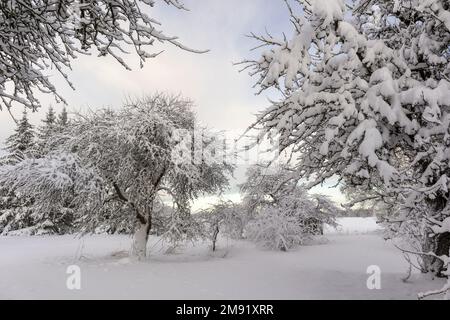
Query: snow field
x,y
35,268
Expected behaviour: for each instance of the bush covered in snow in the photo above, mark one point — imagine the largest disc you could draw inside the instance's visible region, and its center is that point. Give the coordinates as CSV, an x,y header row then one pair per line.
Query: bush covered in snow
x,y
226,218
277,229
283,214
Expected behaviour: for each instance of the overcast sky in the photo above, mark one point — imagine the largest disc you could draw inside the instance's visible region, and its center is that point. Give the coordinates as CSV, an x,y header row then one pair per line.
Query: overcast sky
x,y
224,98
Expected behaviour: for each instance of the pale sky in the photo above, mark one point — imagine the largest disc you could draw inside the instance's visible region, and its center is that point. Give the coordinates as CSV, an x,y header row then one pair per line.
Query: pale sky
x,y
224,97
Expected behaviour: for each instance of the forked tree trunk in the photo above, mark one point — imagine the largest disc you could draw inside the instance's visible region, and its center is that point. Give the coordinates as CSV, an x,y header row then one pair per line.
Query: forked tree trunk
x,y
140,238
143,223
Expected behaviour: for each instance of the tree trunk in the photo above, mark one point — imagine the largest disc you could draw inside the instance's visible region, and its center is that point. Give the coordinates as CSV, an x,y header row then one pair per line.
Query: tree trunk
x,y
439,245
442,248
140,238
428,245
214,239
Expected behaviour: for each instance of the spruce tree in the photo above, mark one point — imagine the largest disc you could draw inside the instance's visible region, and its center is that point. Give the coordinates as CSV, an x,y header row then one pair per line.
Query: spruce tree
x,y
48,128
50,117
63,119
13,210
20,144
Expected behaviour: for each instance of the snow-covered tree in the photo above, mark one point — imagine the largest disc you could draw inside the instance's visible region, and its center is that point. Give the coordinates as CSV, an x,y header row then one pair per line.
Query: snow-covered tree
x,y
51,181
135,153
283,214
45,131
265,185
14,210
22,212
324,211
276,229
63,118
363,201
183,228
225,218
366,97
50,118
441,228
37,36
20,144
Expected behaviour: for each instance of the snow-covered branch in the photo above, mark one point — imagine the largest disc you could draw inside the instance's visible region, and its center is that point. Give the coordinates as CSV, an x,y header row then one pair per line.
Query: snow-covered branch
x,y
38,36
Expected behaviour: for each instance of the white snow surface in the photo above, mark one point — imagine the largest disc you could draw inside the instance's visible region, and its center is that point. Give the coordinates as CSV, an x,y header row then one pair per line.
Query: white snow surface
x,y
35,268
354,225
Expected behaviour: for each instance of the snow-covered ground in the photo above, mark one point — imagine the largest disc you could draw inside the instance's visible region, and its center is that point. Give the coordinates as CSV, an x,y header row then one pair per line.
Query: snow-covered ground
x,y
354,225
35,267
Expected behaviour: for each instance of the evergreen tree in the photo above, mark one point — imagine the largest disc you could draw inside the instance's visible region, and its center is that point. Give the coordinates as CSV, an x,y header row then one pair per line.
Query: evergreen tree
x,y
21,142
18,211
50,117
63,119
48,128
14,210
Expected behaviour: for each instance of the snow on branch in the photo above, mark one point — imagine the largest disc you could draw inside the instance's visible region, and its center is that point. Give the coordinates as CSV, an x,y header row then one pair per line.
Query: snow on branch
x,y
37,36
